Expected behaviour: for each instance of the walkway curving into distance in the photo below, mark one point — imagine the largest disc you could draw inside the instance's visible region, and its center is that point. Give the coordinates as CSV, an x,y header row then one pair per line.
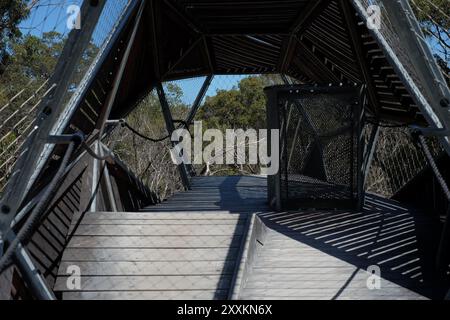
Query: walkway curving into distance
x,y
220,240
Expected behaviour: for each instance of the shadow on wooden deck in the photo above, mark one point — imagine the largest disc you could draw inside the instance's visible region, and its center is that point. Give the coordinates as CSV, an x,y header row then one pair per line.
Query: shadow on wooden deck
x,y
191,247
398,239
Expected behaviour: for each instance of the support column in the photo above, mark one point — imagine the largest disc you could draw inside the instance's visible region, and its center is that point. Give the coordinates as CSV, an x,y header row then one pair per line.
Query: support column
x,y
104,116
199,99
108,183
170,129
193,112
370,150
94,180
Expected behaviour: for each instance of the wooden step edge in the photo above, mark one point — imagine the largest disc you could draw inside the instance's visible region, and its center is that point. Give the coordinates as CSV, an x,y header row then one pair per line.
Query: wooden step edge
x,y
256,234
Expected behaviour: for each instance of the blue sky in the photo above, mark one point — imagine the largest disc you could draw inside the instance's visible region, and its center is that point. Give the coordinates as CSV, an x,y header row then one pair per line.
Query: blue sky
x,y
52,15
48,16
192,86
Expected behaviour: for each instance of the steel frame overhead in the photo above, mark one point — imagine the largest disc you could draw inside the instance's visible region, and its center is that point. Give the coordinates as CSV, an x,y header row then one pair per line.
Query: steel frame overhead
x,y
315,42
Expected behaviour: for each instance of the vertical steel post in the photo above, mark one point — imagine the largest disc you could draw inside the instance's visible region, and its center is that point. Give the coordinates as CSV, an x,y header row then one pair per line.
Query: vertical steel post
x,y
360,104
32,276
273,122
370,150
195,106
170,129
94,179
106,110
109,187
199,99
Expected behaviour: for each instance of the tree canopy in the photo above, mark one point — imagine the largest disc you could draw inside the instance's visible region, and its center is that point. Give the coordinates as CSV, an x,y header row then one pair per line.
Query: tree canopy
x,y
12,12
241,107
434,17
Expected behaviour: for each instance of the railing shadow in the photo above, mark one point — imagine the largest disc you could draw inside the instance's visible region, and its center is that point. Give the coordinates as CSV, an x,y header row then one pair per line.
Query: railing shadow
x,y
398,239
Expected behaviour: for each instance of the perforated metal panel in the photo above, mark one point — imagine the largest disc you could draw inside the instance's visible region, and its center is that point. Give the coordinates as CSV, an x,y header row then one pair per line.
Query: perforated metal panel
x,y
320,148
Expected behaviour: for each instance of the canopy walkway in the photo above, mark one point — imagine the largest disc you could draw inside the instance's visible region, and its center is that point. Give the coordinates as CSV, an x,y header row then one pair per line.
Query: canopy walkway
x,y
219,240
77,223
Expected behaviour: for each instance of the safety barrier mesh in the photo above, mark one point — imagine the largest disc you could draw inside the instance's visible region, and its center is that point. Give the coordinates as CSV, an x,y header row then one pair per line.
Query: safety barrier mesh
x,y
24,77
319,146
396,160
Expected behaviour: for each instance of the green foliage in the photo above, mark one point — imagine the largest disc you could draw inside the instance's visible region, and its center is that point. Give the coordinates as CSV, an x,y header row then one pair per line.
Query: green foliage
x,y
433,16
241,107
32,58
433,11
31,64
12,12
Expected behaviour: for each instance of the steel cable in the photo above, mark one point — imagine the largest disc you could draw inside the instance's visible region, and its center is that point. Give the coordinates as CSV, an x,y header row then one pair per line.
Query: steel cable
x,y
434,166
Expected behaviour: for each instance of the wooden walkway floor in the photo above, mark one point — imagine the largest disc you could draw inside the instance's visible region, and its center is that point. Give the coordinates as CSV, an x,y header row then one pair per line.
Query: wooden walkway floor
x,y
320,254
192,247
185,248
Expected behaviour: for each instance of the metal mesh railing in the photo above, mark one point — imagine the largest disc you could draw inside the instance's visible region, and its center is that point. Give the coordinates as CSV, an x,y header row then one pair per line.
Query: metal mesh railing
x,y
151,161
396,161
319,147
24,78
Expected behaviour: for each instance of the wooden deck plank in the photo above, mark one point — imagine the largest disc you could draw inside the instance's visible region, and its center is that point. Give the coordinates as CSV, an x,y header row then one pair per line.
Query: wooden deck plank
x,y
356,276
320,254
149,254
147,295
331,294
171,241
183,222
148,283
163,215
185,248
148,268
160,230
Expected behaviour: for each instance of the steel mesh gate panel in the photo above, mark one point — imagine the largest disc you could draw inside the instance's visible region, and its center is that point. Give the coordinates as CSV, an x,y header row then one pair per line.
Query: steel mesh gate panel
x,y
320,149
